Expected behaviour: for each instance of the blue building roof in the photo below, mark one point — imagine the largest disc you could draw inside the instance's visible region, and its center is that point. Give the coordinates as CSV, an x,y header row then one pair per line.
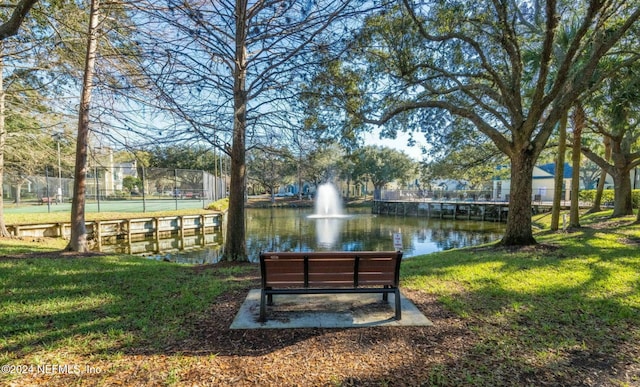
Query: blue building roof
x,y
551,169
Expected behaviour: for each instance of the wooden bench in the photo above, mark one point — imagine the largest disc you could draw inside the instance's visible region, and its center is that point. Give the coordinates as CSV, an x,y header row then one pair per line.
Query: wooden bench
x,y
45,200
330,272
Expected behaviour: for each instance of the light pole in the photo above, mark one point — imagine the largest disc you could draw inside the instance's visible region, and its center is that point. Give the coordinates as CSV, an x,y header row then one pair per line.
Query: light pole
x,y
57,137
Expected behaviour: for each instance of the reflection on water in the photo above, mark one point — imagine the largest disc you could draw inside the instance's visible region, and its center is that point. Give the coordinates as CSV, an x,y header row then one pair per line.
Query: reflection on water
x,y
327,231
293,230
201,256
284,229
196,248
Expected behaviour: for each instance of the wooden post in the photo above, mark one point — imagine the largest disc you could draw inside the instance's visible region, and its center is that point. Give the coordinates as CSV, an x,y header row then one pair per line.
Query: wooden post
x,y
156,228
129,235
157,235
98,232
181,220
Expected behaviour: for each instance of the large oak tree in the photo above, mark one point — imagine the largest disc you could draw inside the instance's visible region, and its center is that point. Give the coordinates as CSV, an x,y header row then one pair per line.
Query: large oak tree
x,y
494,64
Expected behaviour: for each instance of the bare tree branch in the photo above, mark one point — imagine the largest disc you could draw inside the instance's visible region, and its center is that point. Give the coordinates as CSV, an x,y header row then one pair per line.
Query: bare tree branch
x,y
11,26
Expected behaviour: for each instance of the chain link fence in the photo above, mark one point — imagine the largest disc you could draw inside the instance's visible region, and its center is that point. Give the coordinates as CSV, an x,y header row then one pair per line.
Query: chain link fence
x,y
539,196
492,196
119,183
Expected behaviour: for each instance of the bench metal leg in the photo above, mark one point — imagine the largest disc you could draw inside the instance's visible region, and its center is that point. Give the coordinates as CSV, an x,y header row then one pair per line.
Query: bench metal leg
x,y
263,307
398,306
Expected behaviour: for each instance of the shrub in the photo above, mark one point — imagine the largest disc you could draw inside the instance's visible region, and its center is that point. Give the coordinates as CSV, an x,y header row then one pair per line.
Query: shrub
x,y
219,205
588,195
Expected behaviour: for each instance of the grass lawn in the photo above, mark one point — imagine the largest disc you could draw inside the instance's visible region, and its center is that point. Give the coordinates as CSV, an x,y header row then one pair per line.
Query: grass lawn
x,y
570,304
565,312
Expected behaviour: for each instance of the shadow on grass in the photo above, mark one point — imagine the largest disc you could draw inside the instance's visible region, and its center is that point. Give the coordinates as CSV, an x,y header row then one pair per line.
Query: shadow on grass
x,y
570,313
121,303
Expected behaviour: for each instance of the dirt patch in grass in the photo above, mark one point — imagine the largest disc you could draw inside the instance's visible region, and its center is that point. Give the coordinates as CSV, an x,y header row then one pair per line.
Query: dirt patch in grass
x,y
630,241
608,223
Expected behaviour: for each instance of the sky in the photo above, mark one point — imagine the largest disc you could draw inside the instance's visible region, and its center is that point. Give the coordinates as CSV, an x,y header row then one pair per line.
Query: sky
x,y
399,143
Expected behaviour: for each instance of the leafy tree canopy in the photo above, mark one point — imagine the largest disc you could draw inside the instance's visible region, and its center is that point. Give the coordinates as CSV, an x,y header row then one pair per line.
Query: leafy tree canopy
x,y
184,157
382,165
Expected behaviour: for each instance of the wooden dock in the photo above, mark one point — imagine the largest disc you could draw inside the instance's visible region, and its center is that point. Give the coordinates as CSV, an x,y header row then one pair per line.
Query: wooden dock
x,y
126,232
451,209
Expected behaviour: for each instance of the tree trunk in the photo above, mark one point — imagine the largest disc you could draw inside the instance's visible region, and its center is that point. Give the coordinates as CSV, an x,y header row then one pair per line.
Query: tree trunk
x,y
10,26
299,175
78,241
235,245
597,201
377,192
348,194
559,178
18,193
3,138
623,203
619,172
518,231
620,152
578,126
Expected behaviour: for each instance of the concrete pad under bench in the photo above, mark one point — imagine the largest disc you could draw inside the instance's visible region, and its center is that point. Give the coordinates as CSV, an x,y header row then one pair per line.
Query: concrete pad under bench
x,y
327,311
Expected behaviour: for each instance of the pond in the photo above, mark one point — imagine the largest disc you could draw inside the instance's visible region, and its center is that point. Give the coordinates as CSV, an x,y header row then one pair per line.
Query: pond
x,y
287,229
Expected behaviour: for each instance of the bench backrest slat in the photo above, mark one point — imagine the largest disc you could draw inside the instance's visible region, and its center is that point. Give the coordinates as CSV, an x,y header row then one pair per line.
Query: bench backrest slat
x,y
330,269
